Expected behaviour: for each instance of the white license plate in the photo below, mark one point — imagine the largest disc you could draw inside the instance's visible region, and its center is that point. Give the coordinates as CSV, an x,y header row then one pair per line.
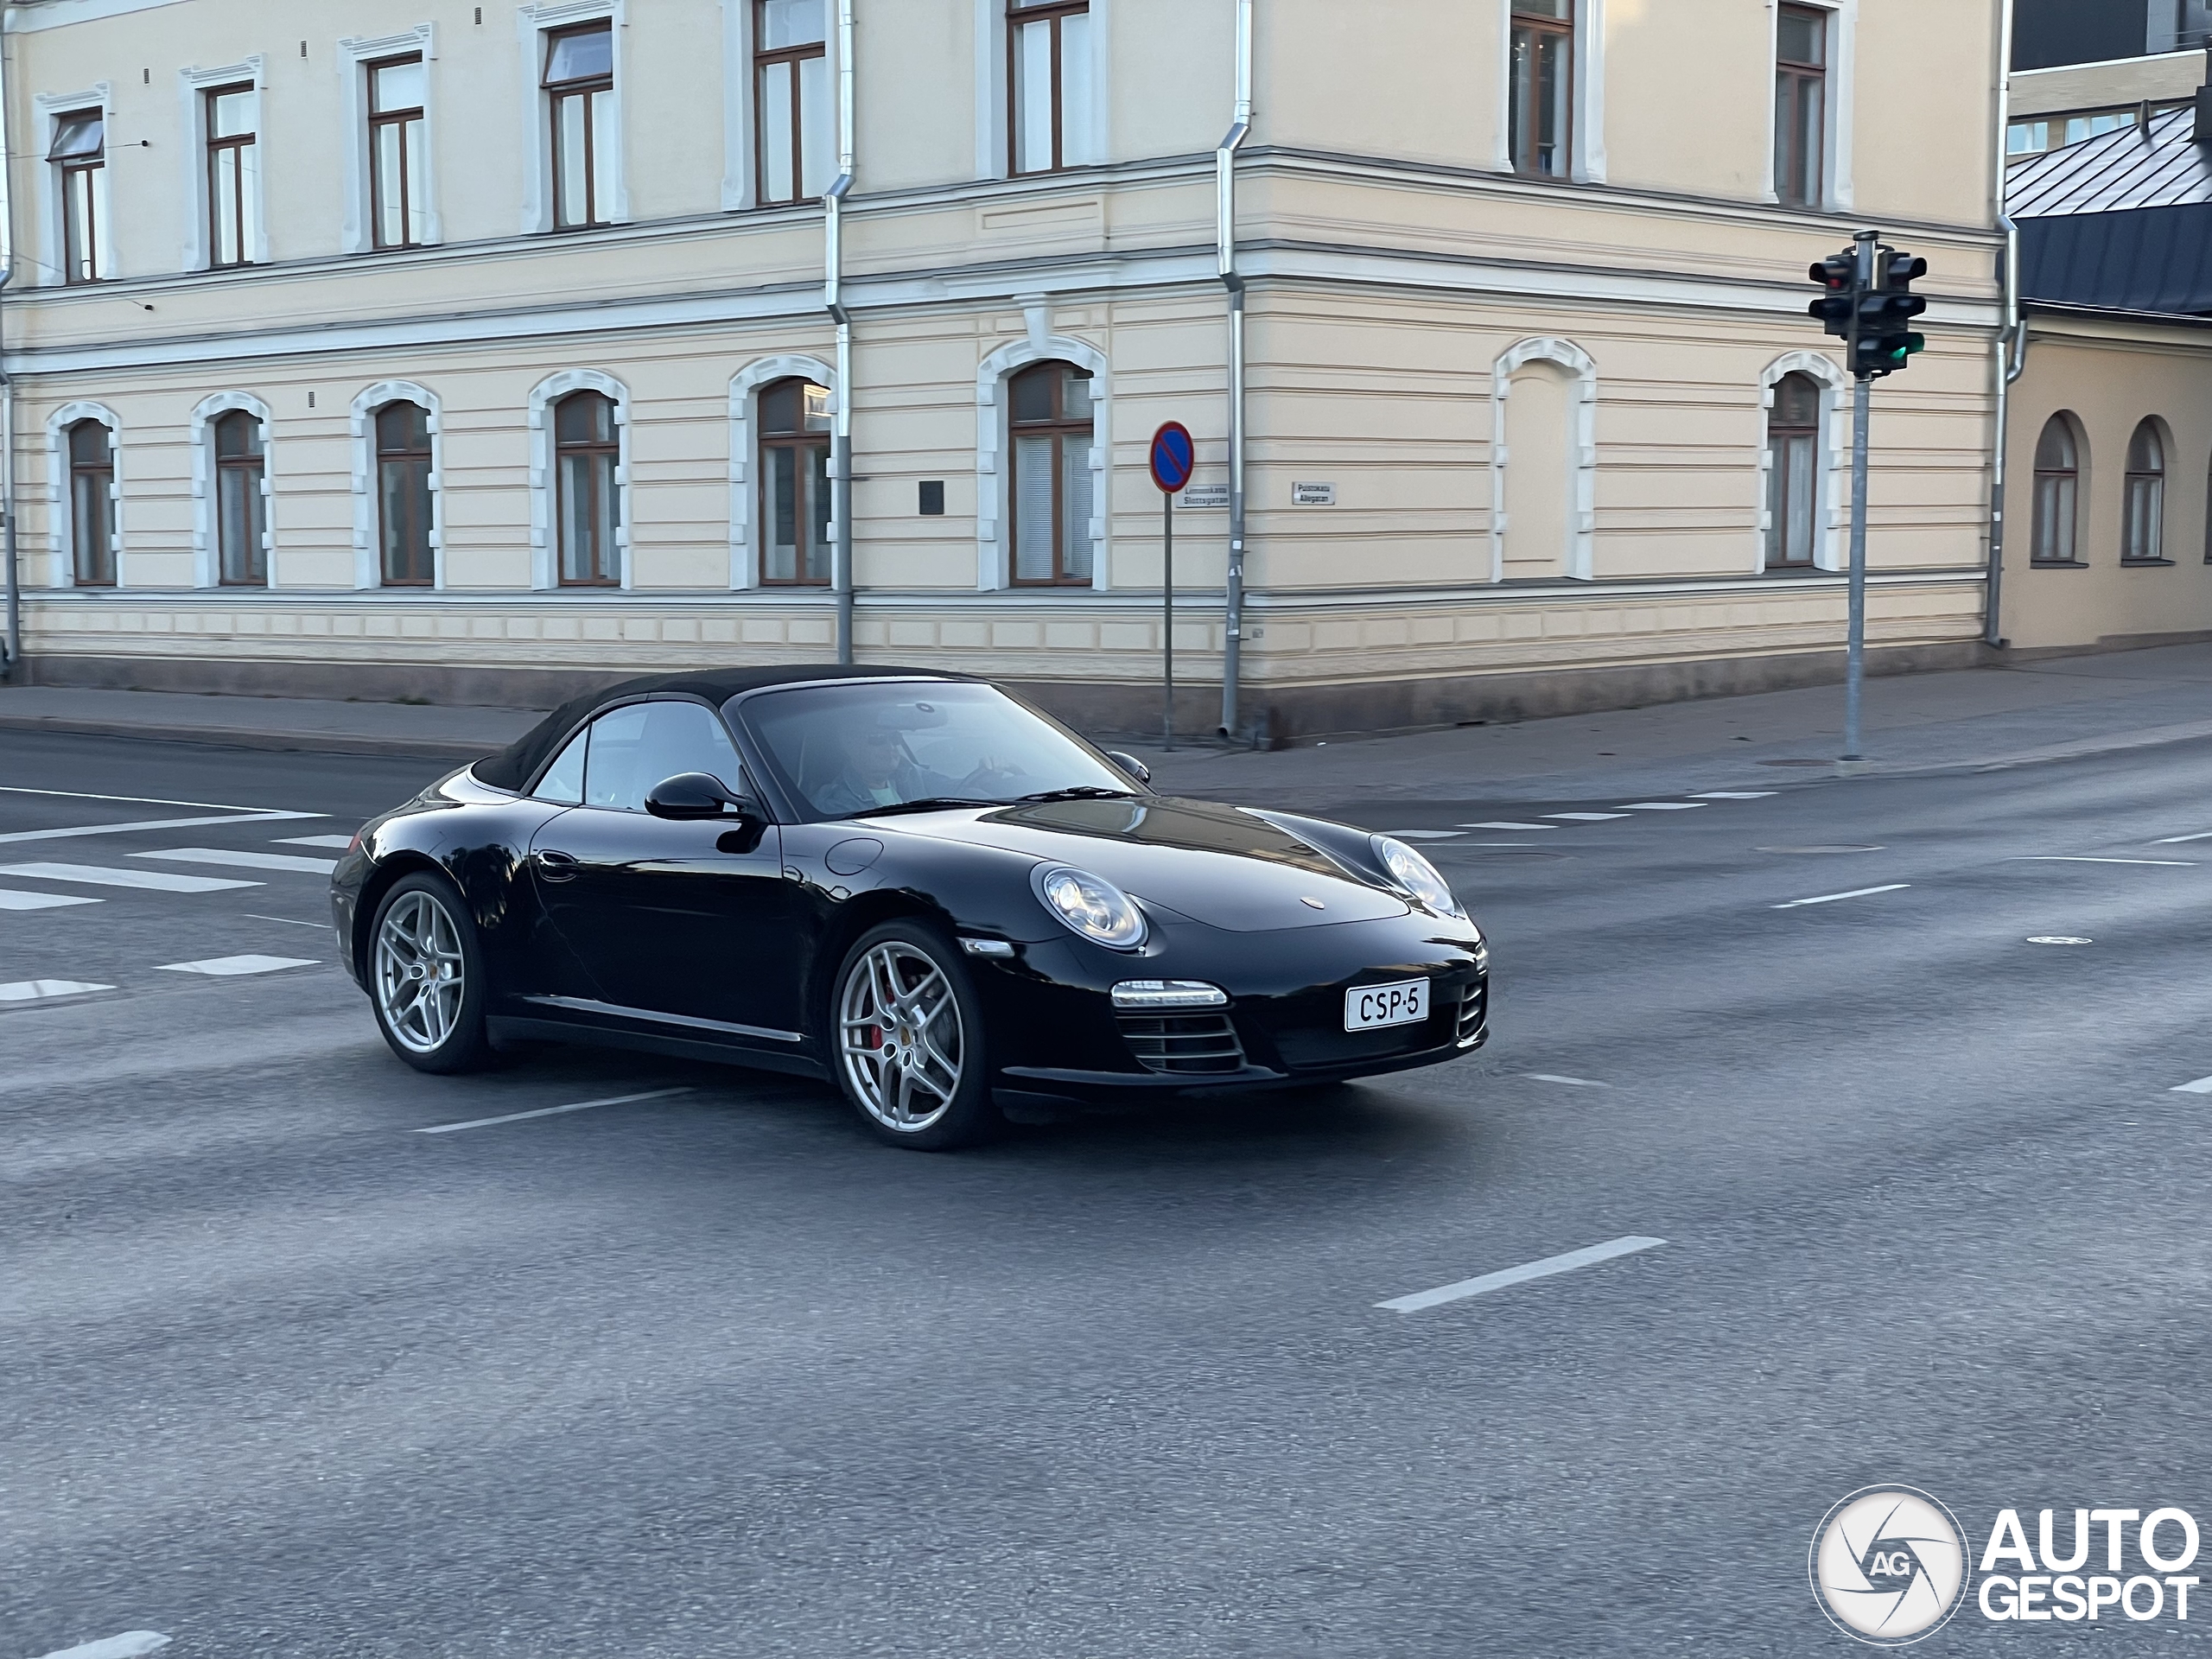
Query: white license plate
x,y
1402,1004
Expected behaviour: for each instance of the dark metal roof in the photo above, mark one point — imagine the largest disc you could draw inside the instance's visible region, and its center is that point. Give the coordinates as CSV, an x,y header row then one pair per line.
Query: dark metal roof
x,y
2146,259
2161,166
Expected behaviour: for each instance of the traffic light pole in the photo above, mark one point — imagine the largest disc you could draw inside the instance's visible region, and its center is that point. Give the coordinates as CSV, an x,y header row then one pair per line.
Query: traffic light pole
x,y
1854,667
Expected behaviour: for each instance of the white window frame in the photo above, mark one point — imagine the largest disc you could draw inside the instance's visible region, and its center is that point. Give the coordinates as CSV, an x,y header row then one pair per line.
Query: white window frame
x,y
1582,473
52,236
193,86
355,53
61,522
534,24
1587,146
368,545
1838,186
745,512
994,452
207,551
994,154
1831,513
544,546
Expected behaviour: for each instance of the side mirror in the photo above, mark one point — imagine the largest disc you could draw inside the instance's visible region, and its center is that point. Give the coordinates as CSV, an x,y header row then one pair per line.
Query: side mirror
x,y
695,795
1130,764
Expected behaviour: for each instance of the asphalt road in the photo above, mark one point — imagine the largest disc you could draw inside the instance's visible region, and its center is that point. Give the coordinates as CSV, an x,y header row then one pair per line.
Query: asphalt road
x,y
712,1374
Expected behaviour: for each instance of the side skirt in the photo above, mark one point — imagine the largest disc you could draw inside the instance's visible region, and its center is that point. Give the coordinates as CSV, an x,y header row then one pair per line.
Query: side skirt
x,y
506,1028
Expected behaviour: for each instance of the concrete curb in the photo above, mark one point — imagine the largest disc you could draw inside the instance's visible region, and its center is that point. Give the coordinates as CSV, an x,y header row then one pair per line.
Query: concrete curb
x,y
230,737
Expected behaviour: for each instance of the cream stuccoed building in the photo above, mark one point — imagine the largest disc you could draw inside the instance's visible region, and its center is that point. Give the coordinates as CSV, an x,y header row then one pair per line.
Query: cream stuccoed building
x,y
384,348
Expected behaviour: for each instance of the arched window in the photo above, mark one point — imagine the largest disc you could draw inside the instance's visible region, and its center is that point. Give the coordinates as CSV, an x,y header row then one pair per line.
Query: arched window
x,y
1052,423
241,500
1793,478
587,451
91,504
2058,493
795,483
2142,535
404,495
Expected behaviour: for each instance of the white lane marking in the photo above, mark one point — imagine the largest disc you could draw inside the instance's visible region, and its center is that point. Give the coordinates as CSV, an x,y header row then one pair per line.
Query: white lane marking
x,y
550,1111
341,842
1509,826
146,800
1733,795
150,823
129,1645
1506,843
100,875
231,967
1572,1083
289,921
2057,938
1587,817
2176,841
1522,1274
11,898
2067,858
2201,1086
246,861
1856,893
33,990
1424,835
1662,806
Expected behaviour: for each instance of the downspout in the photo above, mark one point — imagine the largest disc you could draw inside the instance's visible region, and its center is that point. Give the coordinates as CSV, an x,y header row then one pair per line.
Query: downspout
x,y
840,419
1225,160
11,667
2012,346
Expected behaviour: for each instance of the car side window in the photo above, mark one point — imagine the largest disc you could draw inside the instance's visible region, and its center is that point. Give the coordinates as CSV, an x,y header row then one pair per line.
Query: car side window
x,y
563,782
635,747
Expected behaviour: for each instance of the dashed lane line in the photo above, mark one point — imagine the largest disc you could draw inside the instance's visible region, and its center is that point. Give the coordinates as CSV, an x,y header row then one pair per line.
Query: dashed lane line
x,y
145,800
2201,1086
1572,1083
1663,806
2176,841
1509,826
291,921
1587,817
1522,1274
12,899
131,1644
340,842
100,875
220,855
1856,893
233,967
550,1111
37,990
2069,858
75,831
1734,795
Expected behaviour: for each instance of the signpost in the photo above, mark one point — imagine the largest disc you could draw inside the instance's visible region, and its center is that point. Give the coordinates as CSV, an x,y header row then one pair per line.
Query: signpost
x,y
1174,457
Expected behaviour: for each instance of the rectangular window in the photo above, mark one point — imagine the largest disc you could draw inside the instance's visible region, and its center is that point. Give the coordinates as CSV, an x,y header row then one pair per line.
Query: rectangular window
x,y
79,156
791,95
91,504
580,99
398,203
1542,102
1801,105
1049,117
233,175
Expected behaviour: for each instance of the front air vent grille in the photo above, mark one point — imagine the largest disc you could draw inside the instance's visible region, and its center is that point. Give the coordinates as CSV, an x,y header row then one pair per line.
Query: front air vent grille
x,y
1473,1010
1194,1045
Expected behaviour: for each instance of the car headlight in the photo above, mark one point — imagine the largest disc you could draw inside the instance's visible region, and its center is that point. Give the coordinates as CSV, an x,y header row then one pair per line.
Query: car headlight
x,y
1416,876
1091,905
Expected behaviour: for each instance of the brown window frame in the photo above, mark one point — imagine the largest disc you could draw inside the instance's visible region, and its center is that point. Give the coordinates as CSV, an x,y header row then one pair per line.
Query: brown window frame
x,y
2049,526
217,150
257,465
764,60
425,458
1058,428
1792,78
379,119
558,94
1781,503
82,230
1523,142
103,472
611,449
1054,12
2149,482
805,445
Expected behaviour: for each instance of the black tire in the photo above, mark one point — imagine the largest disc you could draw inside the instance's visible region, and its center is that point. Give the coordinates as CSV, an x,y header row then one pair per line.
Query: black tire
x,y
426,925
924,1082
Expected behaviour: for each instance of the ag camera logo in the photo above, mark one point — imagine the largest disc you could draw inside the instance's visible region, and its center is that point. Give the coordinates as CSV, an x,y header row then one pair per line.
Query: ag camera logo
x,y
1889,1565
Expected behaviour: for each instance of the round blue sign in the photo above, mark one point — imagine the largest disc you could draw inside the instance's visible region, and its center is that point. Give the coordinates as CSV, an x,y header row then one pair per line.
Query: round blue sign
x,y
1174,456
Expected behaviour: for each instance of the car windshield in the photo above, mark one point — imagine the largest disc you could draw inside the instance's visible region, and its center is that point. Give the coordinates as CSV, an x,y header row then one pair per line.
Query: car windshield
x,y
864,747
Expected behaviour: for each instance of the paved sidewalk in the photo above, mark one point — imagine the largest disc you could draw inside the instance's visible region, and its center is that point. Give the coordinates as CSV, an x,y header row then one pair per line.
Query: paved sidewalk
x,y
1982,717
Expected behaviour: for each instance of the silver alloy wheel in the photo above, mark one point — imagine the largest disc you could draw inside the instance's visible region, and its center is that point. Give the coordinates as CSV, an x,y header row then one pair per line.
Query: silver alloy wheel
x,y
420,973
901,1038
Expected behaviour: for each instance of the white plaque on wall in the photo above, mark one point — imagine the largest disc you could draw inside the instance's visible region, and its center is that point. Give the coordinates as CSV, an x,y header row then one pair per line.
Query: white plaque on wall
x,y
1313,495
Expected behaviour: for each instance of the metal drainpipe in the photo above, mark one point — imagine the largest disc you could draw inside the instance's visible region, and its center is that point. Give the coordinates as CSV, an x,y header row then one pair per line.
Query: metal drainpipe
x,y
841,426
1232,646
2012,343
12,667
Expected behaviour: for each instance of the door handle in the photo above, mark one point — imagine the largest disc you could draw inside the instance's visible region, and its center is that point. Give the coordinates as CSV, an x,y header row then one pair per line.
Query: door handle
x,y
556,866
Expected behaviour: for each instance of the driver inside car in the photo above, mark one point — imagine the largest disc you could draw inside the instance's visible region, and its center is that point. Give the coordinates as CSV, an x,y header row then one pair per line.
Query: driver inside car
x,y
877,770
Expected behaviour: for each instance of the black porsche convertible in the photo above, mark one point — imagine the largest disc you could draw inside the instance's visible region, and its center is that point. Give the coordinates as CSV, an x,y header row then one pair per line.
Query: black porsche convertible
x,y
914,883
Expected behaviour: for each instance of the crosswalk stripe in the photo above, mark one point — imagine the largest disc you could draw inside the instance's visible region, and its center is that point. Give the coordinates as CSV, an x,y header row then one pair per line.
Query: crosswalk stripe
x,y
1587,817
245,861
14,899
231,967
1733,795
1662,806
76,830
37,990
101,876
341,842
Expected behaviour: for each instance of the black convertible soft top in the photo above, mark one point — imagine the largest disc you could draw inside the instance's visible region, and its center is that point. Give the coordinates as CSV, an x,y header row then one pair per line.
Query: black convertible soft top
x,y
513,766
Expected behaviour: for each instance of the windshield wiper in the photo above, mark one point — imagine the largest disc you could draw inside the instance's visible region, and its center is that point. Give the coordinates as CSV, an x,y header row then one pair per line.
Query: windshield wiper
x,y
927,803
1081,793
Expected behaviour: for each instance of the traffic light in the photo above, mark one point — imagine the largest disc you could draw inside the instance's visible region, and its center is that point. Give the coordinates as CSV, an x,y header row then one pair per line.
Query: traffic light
x,y
1885,341
1838,274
